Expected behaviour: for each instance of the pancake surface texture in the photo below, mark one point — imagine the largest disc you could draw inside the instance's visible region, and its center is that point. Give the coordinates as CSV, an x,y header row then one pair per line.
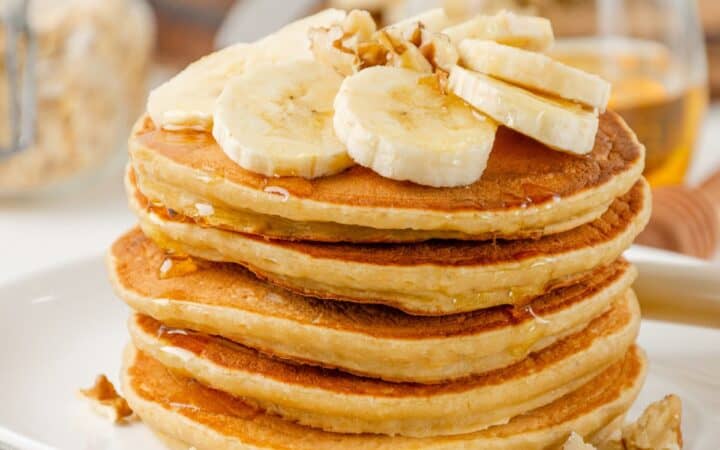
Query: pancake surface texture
x,y
339,402
205,418
227,300
526,190
429,278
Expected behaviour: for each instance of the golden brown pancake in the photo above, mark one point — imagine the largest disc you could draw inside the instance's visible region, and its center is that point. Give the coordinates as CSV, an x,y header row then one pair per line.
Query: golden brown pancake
x,y
227,300
167,199
433,277
526,190
205,418
340,402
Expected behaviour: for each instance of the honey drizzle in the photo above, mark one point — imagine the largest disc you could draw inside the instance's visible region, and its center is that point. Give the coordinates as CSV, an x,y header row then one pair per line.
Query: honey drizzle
x,y
175,265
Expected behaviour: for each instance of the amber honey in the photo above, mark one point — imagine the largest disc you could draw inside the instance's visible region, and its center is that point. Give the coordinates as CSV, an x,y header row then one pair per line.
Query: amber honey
x,y
668,126
176,265
660,101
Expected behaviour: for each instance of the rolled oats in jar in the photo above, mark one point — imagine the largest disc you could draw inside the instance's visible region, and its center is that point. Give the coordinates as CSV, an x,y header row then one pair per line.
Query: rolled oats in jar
x,y
72,78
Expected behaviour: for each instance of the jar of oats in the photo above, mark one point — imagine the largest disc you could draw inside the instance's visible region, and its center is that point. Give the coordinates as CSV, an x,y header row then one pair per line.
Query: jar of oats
x,y
72,78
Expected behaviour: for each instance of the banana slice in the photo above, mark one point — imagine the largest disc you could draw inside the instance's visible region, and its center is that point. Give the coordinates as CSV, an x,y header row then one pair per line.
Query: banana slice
x,y
434,20
536,71
276,120
558,124
400,124
532,33
291,41
187,100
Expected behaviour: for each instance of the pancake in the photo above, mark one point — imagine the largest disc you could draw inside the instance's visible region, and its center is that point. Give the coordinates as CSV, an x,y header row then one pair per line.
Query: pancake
x,y
225,299
340,402
166,196
598,438
526,190
430,278
189,412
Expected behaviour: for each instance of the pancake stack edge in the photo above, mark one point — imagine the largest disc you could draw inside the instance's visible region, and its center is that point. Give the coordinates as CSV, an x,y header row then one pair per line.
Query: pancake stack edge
x,y
289,313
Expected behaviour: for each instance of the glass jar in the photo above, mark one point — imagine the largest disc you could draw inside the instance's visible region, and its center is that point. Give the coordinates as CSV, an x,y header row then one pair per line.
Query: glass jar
x,y
653,53
72,78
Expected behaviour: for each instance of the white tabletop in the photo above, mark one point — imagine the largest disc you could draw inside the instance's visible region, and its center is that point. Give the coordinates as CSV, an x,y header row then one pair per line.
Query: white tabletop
x,y
43,233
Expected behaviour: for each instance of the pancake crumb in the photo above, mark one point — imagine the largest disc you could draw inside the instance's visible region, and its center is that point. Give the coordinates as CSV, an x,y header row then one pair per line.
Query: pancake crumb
x,y
105,401
658,428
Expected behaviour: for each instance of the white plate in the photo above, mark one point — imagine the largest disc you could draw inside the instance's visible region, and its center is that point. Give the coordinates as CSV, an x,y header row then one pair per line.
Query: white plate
x,y
62,327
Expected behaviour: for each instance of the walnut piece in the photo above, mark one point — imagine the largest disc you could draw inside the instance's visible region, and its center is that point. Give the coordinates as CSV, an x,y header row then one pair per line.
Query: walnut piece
x,y
337,46
658,428
356,44
106,401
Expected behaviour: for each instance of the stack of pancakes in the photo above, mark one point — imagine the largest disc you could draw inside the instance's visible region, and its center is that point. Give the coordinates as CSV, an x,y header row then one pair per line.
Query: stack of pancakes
x,y
354,311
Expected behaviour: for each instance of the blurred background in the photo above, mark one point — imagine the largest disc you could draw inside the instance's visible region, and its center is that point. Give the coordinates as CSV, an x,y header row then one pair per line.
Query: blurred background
x,y
74,75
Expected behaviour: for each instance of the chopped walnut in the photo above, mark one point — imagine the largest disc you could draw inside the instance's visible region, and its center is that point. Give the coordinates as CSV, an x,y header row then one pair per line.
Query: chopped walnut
x,y
438,49
658,428
338,45
326,45
435,48
371,54
106,401
359,24
413,59
356,44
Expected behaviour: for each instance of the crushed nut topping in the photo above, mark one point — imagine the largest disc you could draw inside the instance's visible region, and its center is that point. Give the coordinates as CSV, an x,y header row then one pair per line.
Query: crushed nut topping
x,y
658,428
356,44
106,401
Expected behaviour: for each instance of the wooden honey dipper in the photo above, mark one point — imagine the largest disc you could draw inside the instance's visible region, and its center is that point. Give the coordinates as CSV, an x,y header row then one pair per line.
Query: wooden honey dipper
x,y
686,220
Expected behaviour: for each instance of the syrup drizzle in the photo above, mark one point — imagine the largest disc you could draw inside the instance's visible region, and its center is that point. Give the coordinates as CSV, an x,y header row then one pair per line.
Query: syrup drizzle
x,y
176,265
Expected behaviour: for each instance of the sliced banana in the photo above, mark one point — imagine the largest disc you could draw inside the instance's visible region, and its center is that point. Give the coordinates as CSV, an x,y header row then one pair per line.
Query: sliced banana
x,y
186,101
400,124
276,120
434,20
535,71
291,41
532,33
558,124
